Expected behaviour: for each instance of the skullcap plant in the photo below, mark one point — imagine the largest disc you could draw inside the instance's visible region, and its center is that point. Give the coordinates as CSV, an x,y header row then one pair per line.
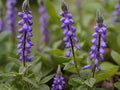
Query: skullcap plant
x,y
25,32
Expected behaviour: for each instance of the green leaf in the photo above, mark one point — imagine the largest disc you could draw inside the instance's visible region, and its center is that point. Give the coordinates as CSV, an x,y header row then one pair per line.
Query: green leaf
x,y
44,87
85,74
55,52
46,79
75,81
70,66
116,57
4,35
61,59
36,68
90,82
117,85
107,70
52,12
31,82
80,88
22,69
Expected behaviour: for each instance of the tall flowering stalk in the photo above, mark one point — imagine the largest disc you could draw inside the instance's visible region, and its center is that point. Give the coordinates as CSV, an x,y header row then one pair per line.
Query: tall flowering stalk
x,y
11,16
2,25
43,22
98,44
58,82
70,39
116,12
25,43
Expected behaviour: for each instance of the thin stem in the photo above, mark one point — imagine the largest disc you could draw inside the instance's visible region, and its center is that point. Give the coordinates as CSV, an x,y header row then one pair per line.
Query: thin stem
x,y
75,61
73,52
24,44
94,68
98,49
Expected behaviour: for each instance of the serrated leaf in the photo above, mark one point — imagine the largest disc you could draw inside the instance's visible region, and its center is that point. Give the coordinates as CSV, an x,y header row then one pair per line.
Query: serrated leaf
x,y
46,79
90,82
116,57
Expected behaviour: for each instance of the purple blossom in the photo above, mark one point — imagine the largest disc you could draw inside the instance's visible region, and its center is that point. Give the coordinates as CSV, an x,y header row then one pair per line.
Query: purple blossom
x,y
58,82
116,12
43,22
98,44
69,30
25,32
11,15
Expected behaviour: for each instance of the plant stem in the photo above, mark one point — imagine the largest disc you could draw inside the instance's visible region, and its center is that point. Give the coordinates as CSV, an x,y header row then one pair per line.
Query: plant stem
x,y
94,68
24,44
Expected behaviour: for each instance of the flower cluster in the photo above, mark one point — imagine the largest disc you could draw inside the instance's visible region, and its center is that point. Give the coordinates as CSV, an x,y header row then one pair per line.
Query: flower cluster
x,y
11,15
43,22
25,43
70,39
116,13
98,45
58,82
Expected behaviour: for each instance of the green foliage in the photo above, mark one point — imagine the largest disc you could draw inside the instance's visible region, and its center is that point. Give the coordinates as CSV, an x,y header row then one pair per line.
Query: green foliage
x,y
117,85
108,70
38,74
116,57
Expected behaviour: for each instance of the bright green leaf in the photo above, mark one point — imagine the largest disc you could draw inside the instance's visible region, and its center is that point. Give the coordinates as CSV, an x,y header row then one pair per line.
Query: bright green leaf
x,y
47,78
107,70
116,57
90,82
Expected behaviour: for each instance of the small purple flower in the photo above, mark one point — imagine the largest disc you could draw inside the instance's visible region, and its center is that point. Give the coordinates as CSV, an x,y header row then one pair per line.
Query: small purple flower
x,y
58,82
11,15
43,22
98,44
25,43
69,30
116,13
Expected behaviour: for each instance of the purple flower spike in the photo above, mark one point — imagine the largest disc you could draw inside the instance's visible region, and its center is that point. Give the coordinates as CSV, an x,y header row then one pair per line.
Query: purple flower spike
x,y
25,43
116,13
11,16
43,22
98,44
58,82
70,39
